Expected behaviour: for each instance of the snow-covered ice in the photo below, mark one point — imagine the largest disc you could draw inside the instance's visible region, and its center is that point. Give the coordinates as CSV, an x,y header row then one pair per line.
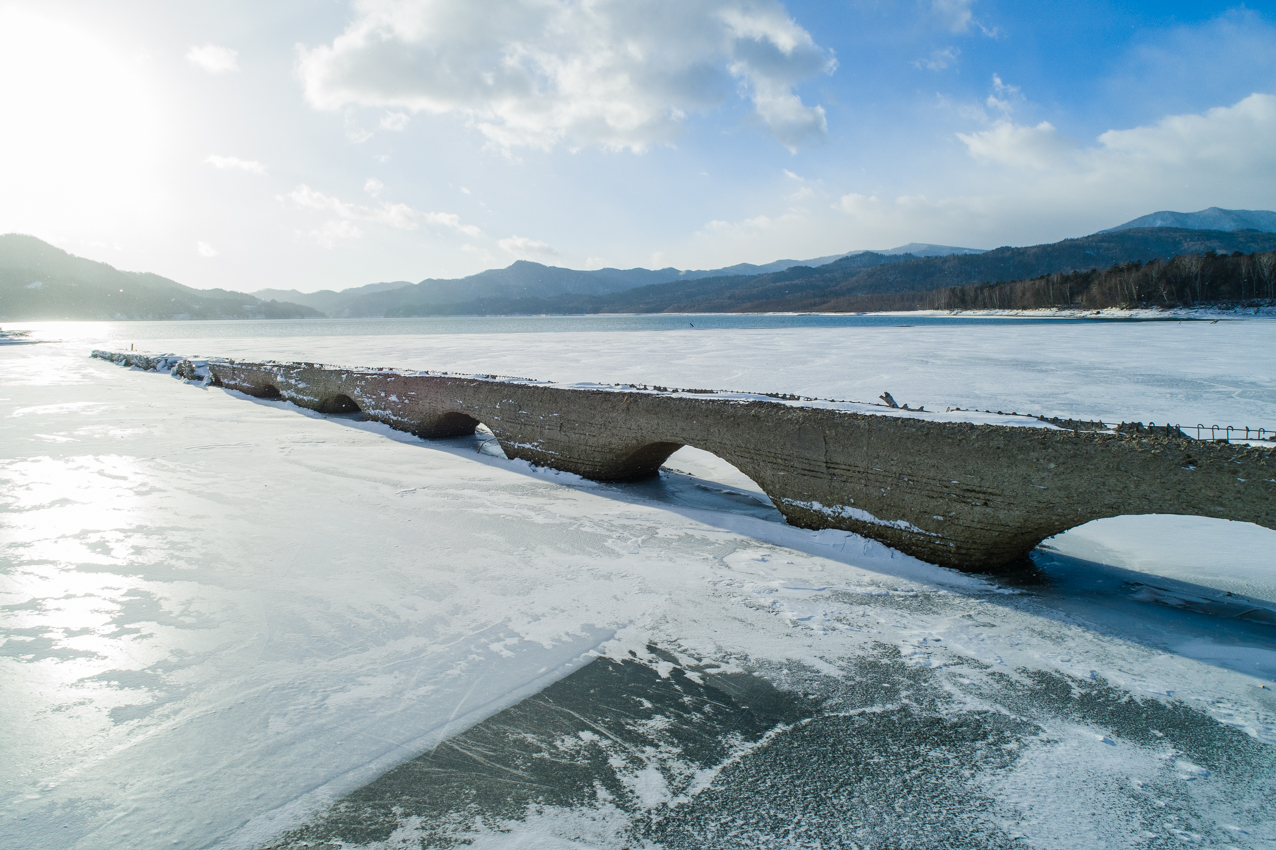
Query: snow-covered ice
x,y
221,614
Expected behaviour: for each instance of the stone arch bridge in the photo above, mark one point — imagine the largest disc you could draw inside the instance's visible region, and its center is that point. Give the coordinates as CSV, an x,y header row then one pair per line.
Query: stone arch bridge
x,y
961,489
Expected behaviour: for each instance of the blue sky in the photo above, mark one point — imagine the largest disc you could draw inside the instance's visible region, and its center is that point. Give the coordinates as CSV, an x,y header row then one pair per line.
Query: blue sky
x,y
326,144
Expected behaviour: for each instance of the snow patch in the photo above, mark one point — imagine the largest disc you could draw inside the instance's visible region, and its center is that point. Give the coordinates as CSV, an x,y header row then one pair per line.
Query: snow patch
x,y
858,514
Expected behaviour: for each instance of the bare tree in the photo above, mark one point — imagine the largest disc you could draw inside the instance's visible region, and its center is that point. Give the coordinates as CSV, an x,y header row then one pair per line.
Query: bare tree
x,y
1265,268
1192,265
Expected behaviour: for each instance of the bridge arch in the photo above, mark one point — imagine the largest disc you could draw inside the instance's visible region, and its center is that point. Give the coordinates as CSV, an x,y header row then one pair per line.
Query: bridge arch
x,y
269,392
638,463
339,403
720,479
698,458
1163,537
451,424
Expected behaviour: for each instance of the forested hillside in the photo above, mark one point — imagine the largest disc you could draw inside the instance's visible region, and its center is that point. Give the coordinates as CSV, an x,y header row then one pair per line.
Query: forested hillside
x,y
39,282
1183,281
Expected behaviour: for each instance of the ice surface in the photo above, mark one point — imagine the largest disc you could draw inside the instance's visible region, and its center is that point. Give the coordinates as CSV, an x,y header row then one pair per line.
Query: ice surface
x,y
221,613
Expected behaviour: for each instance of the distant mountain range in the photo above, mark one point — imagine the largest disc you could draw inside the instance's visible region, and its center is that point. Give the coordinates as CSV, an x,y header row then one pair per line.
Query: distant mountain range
x,y
39,281
827,288
524,280
1210,219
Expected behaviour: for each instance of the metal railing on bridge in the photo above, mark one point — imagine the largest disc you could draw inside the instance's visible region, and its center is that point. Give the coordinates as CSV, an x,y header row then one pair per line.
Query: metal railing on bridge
x,y
1218,433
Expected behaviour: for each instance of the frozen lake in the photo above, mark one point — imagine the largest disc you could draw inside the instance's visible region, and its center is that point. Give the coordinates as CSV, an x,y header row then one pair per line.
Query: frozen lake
x,y
223,615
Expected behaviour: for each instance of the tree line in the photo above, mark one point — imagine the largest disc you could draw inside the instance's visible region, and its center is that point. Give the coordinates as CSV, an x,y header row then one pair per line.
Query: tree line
x,y
1183,281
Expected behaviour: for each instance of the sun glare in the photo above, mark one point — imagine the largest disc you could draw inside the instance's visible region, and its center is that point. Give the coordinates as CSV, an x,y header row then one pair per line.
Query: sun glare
x,y
82,127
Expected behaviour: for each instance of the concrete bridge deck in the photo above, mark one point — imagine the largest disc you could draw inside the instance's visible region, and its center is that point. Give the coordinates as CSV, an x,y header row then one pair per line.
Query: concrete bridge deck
x,y
967,494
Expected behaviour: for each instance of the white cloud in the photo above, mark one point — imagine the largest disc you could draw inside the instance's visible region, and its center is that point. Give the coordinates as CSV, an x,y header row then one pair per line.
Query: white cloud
x,y
483,255
205,250
1220,144
354,133
749,228
789,120
1040,147
451,220
954,15
395,121
234,163
855,203
521,246
400,216
938,59
615,74
958,16
214,59
1238,140
373,186
803,191
333,232
1004,97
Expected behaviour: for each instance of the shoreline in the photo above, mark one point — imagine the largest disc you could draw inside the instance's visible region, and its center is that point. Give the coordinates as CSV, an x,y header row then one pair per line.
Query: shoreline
x,y
1141,314
1138,314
